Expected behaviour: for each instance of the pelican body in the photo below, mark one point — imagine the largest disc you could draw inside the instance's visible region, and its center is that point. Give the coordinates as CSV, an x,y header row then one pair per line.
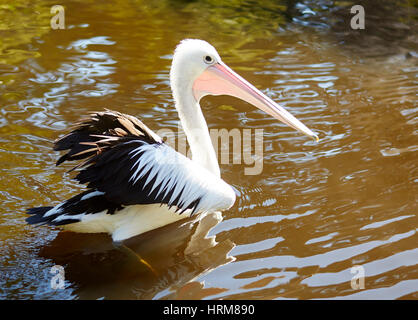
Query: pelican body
x,y
136,182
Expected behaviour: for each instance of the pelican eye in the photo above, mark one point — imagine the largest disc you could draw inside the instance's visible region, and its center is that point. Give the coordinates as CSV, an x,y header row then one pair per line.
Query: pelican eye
x,y
208,59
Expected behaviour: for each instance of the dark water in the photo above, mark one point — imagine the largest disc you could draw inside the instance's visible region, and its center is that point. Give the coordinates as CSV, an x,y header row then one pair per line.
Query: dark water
x,y
297,228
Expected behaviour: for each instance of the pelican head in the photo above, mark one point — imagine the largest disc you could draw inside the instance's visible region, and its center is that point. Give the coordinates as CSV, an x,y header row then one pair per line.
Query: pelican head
x,y
197,70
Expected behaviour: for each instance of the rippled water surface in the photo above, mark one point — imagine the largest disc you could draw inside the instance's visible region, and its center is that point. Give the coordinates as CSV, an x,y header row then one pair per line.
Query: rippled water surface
x,y
298,227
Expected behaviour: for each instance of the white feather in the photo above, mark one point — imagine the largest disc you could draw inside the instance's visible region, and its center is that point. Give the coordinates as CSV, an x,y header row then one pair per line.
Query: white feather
x,y
91,195
179,175
55,210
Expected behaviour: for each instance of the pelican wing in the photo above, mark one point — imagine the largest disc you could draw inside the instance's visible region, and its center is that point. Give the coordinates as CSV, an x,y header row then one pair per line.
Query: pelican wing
x,y
130,164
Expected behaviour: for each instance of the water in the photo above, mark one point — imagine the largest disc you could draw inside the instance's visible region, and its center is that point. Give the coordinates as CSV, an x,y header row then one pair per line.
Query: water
x,y
297,228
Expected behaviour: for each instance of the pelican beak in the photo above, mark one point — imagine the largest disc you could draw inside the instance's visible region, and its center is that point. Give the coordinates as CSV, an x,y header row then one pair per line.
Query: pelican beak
x,y
219,79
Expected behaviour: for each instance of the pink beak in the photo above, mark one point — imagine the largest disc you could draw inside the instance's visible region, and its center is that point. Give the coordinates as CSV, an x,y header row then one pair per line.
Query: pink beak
x,y
219,79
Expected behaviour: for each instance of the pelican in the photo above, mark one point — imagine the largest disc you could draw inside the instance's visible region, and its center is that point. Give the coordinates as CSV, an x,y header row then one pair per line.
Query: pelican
x,y
135,181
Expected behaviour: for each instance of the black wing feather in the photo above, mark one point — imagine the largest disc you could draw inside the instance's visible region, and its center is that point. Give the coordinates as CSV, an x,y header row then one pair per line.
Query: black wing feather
x,y
112,145
105,140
